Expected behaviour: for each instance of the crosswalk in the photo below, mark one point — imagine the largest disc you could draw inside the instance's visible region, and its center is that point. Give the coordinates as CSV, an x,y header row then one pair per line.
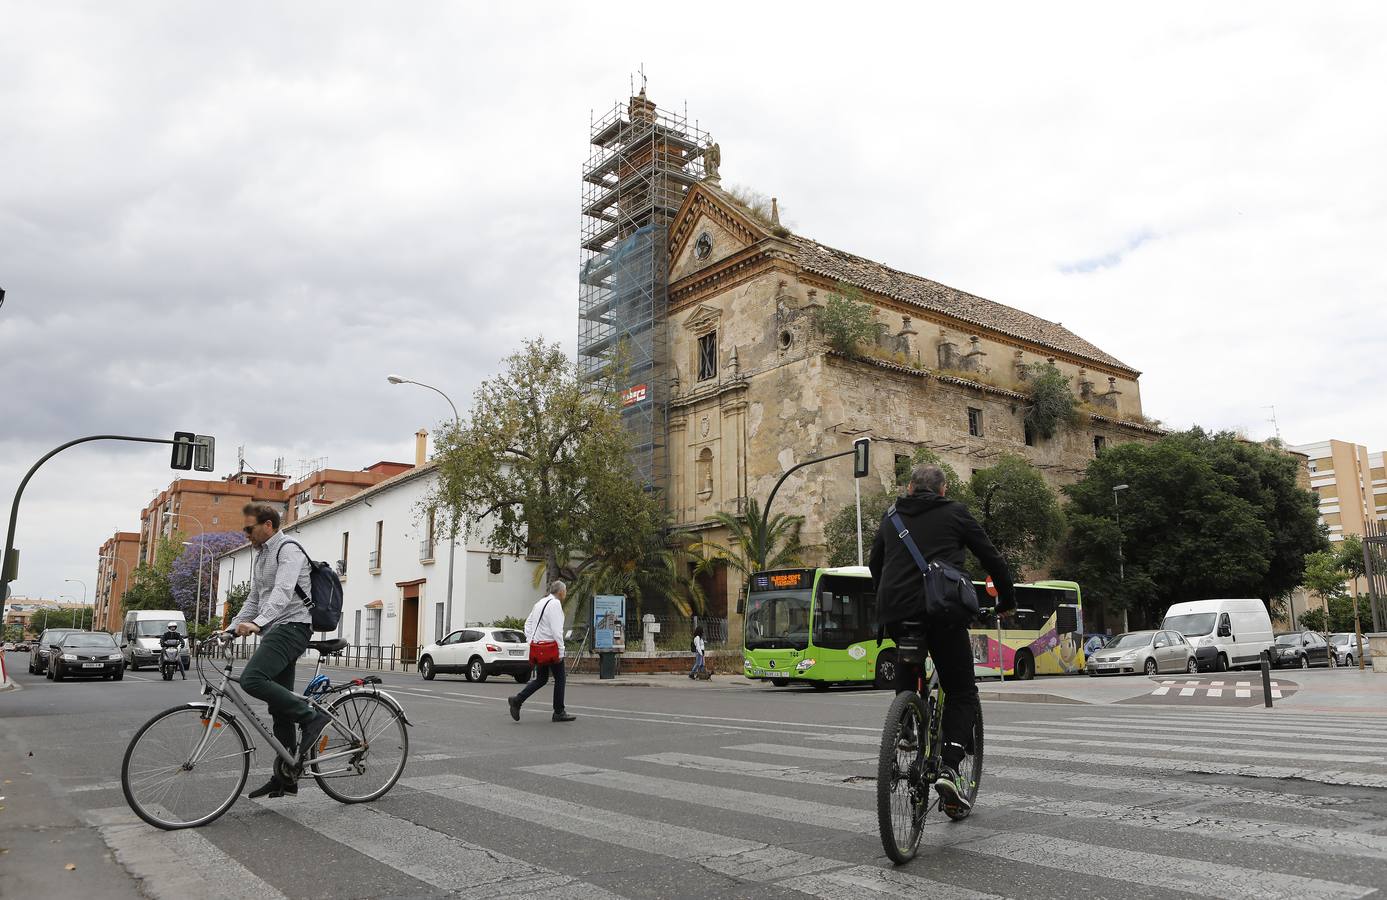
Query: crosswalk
x,y
1216,803
1215,691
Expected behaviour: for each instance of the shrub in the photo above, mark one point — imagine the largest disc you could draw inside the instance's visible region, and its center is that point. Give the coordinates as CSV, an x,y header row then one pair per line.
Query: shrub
x,y
1052,402
846,322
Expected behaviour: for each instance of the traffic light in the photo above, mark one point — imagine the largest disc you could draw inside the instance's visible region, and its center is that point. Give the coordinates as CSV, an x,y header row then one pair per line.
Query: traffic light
x,y
204,453
182,457
860,448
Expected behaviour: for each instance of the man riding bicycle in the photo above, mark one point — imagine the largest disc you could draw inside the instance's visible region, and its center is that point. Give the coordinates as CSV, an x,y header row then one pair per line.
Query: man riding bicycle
x,y
942,529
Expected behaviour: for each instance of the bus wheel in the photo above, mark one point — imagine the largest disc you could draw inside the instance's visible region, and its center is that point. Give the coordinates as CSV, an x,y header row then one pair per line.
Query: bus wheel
x,y
886,670
1024,668
780,682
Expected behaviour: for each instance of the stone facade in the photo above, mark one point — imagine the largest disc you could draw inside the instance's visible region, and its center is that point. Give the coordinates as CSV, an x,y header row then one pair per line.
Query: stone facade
x,y
755,387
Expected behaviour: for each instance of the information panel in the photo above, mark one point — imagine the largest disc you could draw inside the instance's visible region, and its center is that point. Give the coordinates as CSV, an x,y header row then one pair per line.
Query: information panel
x,y
609,622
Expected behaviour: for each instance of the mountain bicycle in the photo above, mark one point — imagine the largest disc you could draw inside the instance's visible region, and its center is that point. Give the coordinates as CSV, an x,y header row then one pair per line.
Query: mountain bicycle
x,y
909,761
187,765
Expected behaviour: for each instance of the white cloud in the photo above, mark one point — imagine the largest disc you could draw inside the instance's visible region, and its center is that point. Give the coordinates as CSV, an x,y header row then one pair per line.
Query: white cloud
x,y
238,219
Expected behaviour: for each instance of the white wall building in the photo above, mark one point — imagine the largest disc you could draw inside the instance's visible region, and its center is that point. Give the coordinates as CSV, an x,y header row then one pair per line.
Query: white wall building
x,y
394,570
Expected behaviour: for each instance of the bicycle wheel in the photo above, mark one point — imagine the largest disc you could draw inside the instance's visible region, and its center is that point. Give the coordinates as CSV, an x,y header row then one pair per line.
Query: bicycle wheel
x,y
369,725
169,788
902,795
970,767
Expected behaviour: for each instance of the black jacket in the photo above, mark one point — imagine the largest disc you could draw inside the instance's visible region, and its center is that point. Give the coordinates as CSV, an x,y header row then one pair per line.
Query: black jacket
x,y
171,639
943,530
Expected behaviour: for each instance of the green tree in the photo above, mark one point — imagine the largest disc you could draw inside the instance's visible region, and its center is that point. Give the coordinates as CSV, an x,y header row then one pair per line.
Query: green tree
x,y
1052,403
56,618
1204,516
1018,510
846,321
150,584
1323,577
657,577
753,545
542,466
236,598
1314,619
1350,556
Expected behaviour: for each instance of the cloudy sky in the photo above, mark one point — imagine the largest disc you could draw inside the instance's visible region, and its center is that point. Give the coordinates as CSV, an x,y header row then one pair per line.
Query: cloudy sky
x,y
238,218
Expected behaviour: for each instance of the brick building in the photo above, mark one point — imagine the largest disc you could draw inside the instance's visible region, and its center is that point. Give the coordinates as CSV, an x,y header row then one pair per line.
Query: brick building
x,y
115,566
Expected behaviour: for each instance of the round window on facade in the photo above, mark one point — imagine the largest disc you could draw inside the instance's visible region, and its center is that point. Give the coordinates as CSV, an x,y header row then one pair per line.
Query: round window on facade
x,y
703,247
786,339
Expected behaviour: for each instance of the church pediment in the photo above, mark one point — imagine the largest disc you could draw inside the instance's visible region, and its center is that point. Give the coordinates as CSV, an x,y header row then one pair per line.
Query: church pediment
x,y
704,318
709,226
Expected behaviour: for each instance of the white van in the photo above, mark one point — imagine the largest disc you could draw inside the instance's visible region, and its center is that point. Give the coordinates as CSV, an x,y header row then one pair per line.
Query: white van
x,y
1226,634
139,640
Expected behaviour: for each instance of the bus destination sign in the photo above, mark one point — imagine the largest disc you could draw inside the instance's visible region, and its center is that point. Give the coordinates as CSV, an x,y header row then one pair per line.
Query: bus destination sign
x,y
780,581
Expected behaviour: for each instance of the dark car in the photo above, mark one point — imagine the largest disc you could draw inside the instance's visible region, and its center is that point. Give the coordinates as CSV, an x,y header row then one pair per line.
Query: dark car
x,y
38,650
1299,650
86,654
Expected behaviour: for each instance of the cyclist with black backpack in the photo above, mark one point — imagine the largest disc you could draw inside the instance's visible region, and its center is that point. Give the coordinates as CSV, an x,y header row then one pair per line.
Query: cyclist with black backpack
x,y
939,531
275,610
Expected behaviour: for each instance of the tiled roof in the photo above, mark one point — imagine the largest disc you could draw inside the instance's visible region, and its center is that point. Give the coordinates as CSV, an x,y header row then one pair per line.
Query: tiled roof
x,y
939,298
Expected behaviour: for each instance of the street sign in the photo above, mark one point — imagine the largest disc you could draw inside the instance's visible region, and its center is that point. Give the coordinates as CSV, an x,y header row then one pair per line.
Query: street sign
x,y
183,446
860,449
204,453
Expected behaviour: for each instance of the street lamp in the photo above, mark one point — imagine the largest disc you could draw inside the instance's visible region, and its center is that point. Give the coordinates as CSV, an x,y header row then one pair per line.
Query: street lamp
x,y
1121,560
84,596
197,595
197,598
453,538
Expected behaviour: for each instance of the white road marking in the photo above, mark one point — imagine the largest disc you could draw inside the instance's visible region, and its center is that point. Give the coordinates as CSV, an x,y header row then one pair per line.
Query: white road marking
x,y
432,857
781,772
819,753
1317,774
1215,692
1160,690
1242,693
176,865
734,857
1189,749
1186,692
1147,870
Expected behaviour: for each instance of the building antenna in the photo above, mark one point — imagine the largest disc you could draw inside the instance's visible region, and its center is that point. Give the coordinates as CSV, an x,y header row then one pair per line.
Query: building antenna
x,y
1273,421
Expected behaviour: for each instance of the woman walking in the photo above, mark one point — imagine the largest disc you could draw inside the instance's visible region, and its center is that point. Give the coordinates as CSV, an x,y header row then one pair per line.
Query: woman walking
x,y
698,648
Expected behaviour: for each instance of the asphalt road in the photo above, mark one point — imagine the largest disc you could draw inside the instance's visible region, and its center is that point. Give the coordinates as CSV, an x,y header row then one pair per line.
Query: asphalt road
x,y
714,790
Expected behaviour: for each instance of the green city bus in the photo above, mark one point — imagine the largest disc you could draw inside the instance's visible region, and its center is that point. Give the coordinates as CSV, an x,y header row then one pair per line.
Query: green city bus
x,y
819,626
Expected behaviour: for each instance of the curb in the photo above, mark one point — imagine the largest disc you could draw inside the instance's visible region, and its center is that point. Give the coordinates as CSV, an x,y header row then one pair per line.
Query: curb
x,y
1031,698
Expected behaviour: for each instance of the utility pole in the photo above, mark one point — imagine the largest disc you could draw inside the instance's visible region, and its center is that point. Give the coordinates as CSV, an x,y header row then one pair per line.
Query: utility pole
x,y
1121,560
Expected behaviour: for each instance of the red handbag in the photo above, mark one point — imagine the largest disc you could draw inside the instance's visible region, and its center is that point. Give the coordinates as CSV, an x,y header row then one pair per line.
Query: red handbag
x,y
544,653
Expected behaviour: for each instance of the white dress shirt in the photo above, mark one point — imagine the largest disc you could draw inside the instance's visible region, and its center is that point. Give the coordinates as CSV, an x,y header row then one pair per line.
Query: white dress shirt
x,y
545,622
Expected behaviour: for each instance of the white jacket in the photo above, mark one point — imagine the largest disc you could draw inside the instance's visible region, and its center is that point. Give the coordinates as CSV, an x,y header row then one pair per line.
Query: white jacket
x,y
545,622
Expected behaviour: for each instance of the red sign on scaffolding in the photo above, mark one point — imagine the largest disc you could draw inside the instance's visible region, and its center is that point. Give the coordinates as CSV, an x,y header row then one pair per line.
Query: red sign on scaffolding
x,y
633,395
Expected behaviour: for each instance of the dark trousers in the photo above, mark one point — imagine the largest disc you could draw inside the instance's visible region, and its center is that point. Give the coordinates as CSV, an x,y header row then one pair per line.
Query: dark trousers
x,y
952,653
269,675
541,678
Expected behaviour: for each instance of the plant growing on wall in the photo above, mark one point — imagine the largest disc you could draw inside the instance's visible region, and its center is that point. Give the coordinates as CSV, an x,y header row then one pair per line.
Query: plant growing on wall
x,y
846,321
1053,404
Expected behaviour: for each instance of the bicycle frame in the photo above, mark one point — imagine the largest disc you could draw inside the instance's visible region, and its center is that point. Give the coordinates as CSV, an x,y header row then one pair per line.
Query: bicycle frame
x,y
225,690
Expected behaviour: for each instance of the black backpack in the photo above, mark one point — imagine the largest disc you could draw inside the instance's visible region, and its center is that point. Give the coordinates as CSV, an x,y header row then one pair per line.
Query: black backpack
x,y
324,601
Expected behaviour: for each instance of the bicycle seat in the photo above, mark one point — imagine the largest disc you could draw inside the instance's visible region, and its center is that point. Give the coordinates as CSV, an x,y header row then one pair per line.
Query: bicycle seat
x,y
328,648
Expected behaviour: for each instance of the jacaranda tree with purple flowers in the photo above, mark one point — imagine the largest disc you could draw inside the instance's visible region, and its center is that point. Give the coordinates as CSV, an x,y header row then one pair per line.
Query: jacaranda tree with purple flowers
x,y
200,553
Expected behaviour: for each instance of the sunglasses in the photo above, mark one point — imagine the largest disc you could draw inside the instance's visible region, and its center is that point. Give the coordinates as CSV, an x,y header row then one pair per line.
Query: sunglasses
x,y
248,529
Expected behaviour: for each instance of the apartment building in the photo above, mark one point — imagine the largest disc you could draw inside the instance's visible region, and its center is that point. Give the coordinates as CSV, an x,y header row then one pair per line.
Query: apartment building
x,y
115,567
1349,482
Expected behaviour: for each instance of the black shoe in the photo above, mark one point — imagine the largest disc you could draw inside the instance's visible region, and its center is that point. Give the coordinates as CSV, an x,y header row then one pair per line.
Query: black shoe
x,y
563,717
273,788
311,730
514,704
953,789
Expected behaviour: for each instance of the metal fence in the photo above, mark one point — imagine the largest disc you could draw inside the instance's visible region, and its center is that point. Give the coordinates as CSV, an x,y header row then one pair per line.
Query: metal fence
x,y
676,633
388,657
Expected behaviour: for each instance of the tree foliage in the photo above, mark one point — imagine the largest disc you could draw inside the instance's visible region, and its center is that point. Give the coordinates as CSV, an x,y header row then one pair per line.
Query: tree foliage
x,y
149,583
846,321
1350,556
1052,404
1018,510
754,545
1204,516
840,535
236,598
540,466
58,618
658,577
1324,576
193,571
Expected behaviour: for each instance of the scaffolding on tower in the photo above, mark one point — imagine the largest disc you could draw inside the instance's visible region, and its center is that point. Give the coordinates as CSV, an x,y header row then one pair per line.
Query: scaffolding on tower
x,y
643,163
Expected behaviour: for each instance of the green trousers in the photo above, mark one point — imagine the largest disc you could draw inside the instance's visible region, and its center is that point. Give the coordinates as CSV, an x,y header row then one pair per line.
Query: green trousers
x,y
269,676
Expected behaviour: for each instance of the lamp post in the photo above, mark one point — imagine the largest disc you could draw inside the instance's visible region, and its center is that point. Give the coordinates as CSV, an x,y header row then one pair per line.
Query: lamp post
x,y
60,600
1121,560
453,536
197,598
84,597
197,595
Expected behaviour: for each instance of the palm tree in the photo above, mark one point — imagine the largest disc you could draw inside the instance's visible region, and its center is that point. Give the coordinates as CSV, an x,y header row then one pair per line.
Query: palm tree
x,y
754,545
660,571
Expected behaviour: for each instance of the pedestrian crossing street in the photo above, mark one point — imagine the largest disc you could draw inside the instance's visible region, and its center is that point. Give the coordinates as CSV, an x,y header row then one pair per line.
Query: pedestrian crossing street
x,y
1216,803
1246,691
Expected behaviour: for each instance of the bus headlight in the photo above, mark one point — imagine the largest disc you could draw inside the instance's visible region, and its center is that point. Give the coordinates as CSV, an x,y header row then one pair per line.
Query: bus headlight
x,y
746,663
804,665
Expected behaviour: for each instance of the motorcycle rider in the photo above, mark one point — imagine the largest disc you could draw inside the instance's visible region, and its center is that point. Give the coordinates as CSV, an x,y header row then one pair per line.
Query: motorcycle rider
x,y
172,638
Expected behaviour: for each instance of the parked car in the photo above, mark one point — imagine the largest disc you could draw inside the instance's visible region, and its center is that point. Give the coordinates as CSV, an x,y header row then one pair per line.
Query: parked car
x,y
1300,650
21,647
478,653
38,650
1345,648
1225,634
84,654
1149,652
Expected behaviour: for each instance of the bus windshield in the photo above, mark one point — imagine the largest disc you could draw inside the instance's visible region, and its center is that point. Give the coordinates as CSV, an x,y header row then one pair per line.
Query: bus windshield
x,y
778,620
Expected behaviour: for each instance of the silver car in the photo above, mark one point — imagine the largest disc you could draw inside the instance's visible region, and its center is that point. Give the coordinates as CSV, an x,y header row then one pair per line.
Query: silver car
x,y
1149,652
1344,646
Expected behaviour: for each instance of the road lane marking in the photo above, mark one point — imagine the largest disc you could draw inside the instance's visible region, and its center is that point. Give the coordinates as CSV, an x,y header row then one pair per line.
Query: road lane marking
x,y
435,858
1139,739
176,865
1180,766
1158,691
819,753
1185,749
751,861
725,766
1206,879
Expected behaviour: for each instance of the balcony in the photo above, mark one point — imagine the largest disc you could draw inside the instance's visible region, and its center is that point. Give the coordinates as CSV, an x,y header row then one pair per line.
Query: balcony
x,y
426,550
373,564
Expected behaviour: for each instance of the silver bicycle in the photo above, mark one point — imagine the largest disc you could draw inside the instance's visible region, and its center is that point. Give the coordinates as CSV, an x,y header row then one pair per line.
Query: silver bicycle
x,y
188,765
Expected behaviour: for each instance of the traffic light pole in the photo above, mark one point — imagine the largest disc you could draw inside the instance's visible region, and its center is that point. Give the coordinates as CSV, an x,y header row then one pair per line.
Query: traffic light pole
x,y
9,566
858,448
